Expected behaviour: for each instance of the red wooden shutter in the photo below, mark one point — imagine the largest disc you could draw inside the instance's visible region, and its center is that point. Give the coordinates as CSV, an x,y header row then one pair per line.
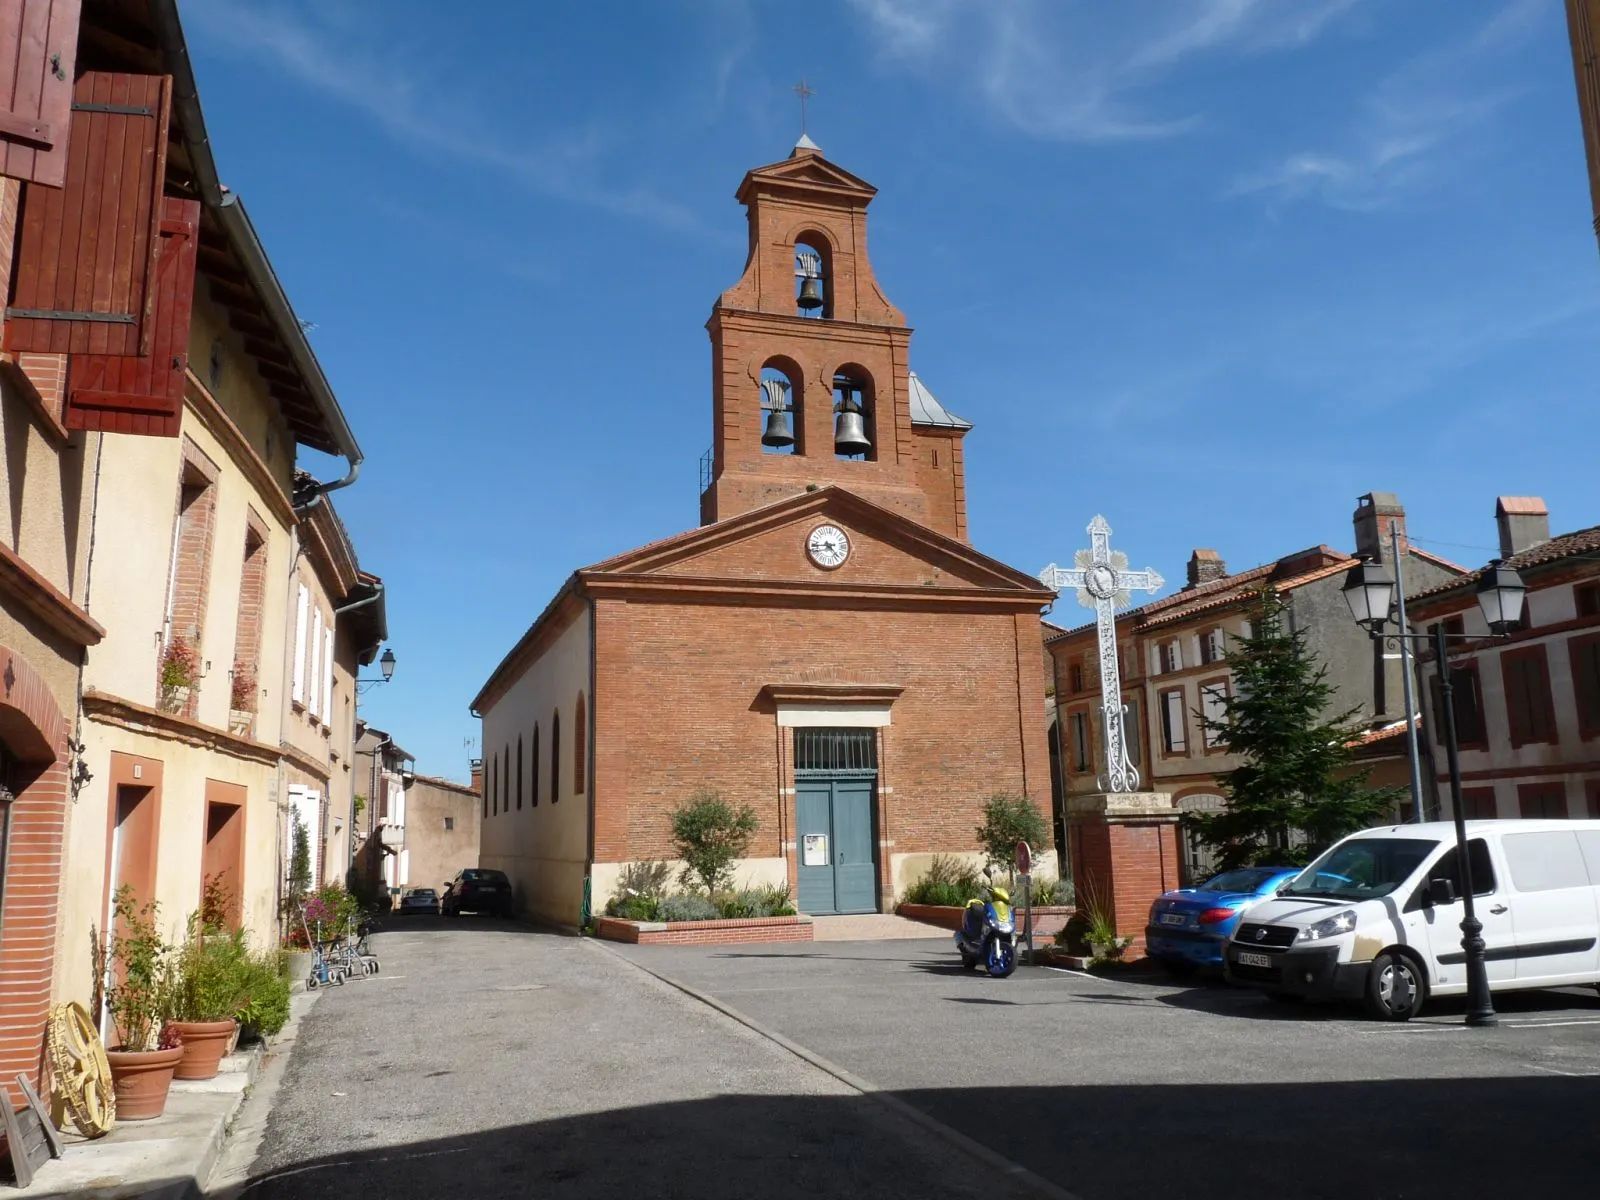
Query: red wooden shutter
x,y
38,50
86,251
127,393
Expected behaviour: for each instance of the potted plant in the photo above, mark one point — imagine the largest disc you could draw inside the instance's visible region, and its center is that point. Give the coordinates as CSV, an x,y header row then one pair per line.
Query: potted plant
x,y
1105,943
180,667
209,982
146,1048
242,700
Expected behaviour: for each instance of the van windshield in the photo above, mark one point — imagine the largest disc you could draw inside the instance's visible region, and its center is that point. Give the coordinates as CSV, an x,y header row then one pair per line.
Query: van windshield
x,y
1361,869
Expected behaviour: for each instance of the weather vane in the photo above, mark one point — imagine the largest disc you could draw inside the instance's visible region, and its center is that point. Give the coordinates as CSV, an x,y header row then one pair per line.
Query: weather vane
x,y
805,93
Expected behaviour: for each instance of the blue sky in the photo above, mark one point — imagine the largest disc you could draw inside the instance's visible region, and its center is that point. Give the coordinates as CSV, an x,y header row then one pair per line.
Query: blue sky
x,y
1211,267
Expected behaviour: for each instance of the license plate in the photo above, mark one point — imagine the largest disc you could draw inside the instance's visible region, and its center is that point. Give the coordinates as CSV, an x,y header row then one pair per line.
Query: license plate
x,y
1246,959
1174,919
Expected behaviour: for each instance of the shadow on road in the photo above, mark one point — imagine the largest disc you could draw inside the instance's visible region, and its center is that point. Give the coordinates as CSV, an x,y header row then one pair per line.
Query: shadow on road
x,y
1416,1139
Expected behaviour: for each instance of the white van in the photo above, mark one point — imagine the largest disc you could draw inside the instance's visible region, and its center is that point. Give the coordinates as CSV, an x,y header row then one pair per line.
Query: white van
x,y
1391,896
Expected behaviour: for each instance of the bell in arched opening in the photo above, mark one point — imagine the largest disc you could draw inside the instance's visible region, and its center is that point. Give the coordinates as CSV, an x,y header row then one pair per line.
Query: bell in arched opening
x,y
779,433
850,423
811,298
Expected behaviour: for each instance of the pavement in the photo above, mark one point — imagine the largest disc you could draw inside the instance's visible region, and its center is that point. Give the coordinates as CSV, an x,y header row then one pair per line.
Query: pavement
x,y
492,1061
167,1158
872,927
1131,1085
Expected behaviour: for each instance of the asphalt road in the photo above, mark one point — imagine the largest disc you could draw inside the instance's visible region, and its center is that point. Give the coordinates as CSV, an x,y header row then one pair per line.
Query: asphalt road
x,y
1132,1087
490,1061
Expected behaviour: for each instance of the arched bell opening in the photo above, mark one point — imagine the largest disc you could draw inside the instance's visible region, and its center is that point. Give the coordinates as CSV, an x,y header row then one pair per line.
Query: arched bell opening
x,y
854,412
783,428
813,277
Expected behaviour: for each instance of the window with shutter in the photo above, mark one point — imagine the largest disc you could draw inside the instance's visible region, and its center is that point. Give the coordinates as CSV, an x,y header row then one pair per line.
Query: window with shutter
x,y
302,616
314,670
1133,733
130,393
1544,800
327,675
1585,654
1080,741
38,56
1212,709
1587,599
1467,693
86,251
1174,727
1529,711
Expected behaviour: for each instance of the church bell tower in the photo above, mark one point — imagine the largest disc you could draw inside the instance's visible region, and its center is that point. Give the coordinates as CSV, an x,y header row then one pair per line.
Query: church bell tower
x,y
811,380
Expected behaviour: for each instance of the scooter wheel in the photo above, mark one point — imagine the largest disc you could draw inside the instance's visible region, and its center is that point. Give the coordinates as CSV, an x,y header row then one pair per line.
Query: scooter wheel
x,y
1000,958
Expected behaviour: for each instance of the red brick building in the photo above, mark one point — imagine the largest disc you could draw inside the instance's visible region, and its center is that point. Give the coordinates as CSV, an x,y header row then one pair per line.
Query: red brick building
x,y
826,647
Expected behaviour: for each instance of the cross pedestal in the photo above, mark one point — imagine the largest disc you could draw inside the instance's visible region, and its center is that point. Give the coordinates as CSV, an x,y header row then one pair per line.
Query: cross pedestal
x,y
1124,849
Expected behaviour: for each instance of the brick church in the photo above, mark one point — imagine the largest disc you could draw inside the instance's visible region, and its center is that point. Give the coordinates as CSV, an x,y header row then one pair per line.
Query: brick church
x,y
827,647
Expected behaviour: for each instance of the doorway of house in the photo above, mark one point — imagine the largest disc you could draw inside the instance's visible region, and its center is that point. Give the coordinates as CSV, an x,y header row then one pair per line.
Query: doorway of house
x,y
836,779
222,860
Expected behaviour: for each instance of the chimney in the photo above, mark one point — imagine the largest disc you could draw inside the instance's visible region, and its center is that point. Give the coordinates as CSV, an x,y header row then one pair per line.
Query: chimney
x,y
1524,523
1376,514
1205,566
477,776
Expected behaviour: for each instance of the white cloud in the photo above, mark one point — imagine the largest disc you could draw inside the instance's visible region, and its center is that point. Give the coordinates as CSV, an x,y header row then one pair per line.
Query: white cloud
x,y
1404,133
1073,73
407,99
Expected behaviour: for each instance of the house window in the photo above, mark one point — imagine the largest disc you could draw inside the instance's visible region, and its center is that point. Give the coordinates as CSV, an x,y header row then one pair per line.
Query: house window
x,y
1478,804
1587,598
1529,710
490,804
580,760
1174,727
555,756
1211,646
1546,800
1171,656
1075,678
1080,741
1591,799
1467,695
534,802
1585,654
505,780
1132,732
1454,627
449,824
519,773
1213,712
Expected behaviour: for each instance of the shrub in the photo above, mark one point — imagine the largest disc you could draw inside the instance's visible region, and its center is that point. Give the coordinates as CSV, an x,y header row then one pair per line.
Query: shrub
x,y
180,665
242,694
711,835
141,963
210,980
634,908
647,877
266,1006
770,901
949,880
1007,820
688,908
1051,891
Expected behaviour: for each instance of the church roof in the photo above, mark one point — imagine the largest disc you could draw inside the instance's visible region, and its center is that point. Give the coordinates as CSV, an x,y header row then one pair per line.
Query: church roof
x,y
926,409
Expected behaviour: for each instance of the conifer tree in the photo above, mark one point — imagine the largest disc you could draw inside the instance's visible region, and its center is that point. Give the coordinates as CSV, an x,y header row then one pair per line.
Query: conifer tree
x,y
1296,791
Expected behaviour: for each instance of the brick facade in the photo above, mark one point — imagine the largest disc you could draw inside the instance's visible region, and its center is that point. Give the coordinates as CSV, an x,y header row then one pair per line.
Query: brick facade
x,y
35,735
704,653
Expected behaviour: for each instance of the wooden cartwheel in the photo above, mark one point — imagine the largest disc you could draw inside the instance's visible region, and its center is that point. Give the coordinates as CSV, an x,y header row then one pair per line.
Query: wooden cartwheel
x,y
81,1073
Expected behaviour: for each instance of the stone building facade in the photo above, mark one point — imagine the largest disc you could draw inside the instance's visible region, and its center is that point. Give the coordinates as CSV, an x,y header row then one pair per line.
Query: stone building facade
x,y
826,648
1173,673
1527,706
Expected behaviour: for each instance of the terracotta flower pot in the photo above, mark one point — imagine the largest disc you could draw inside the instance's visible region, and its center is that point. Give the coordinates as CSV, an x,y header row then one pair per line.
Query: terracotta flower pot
x,y
204,1044
140,1079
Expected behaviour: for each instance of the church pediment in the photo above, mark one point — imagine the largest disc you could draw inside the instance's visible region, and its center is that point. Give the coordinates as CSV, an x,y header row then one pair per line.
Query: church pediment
x,y
807,171
781,543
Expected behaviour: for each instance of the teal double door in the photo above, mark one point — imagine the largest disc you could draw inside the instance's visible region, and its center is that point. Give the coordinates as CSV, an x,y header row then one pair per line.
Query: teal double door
x,y
834,843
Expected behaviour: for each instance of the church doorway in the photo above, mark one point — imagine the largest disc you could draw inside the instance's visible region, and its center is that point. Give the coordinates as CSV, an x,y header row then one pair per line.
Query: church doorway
x,y
836,777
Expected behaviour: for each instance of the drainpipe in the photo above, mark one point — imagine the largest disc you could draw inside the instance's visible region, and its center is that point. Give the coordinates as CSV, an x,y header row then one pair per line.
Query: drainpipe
x,y
355,604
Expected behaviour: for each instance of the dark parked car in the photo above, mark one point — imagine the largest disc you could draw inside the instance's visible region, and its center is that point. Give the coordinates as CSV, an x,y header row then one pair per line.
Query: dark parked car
x,y
419,900
479,890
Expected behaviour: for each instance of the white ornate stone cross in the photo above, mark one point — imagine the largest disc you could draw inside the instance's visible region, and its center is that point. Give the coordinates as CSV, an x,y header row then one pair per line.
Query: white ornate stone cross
x,y
1104,582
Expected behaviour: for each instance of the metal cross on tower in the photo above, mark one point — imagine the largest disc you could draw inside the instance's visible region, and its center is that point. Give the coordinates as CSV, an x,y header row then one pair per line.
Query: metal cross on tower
x,y
1103,581
805,93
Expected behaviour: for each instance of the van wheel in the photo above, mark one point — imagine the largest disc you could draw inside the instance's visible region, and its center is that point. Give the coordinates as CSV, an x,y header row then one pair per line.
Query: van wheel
x,y
1380,996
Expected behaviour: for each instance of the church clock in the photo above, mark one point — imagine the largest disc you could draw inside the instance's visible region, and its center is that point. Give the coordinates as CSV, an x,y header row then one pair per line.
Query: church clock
x,y
828,546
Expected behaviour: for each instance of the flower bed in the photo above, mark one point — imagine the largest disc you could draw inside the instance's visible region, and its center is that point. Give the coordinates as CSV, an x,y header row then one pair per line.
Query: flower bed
x,y
700,933
1047,918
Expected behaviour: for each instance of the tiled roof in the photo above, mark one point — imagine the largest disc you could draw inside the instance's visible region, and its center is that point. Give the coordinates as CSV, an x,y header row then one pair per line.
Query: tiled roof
x,y
1567,545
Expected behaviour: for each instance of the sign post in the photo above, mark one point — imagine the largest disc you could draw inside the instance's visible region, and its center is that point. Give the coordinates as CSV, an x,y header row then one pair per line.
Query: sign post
x,y
1025,869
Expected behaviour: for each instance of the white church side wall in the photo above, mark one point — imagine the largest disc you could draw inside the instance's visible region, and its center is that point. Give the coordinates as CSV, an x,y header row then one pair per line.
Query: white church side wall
x,y
538,838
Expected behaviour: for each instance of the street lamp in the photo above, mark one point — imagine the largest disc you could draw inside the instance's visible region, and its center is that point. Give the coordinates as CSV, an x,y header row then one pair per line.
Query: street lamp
x,y
386,663
1368,590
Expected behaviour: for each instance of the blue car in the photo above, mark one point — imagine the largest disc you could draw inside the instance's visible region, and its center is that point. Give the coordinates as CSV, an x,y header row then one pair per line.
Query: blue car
x,y
1189,927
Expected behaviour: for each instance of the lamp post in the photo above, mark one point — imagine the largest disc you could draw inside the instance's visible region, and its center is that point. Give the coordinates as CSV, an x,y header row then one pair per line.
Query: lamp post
x,y
386,663
1369,591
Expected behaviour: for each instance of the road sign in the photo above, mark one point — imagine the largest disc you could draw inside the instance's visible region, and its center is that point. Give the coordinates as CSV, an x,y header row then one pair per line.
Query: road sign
x,y
1024,859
